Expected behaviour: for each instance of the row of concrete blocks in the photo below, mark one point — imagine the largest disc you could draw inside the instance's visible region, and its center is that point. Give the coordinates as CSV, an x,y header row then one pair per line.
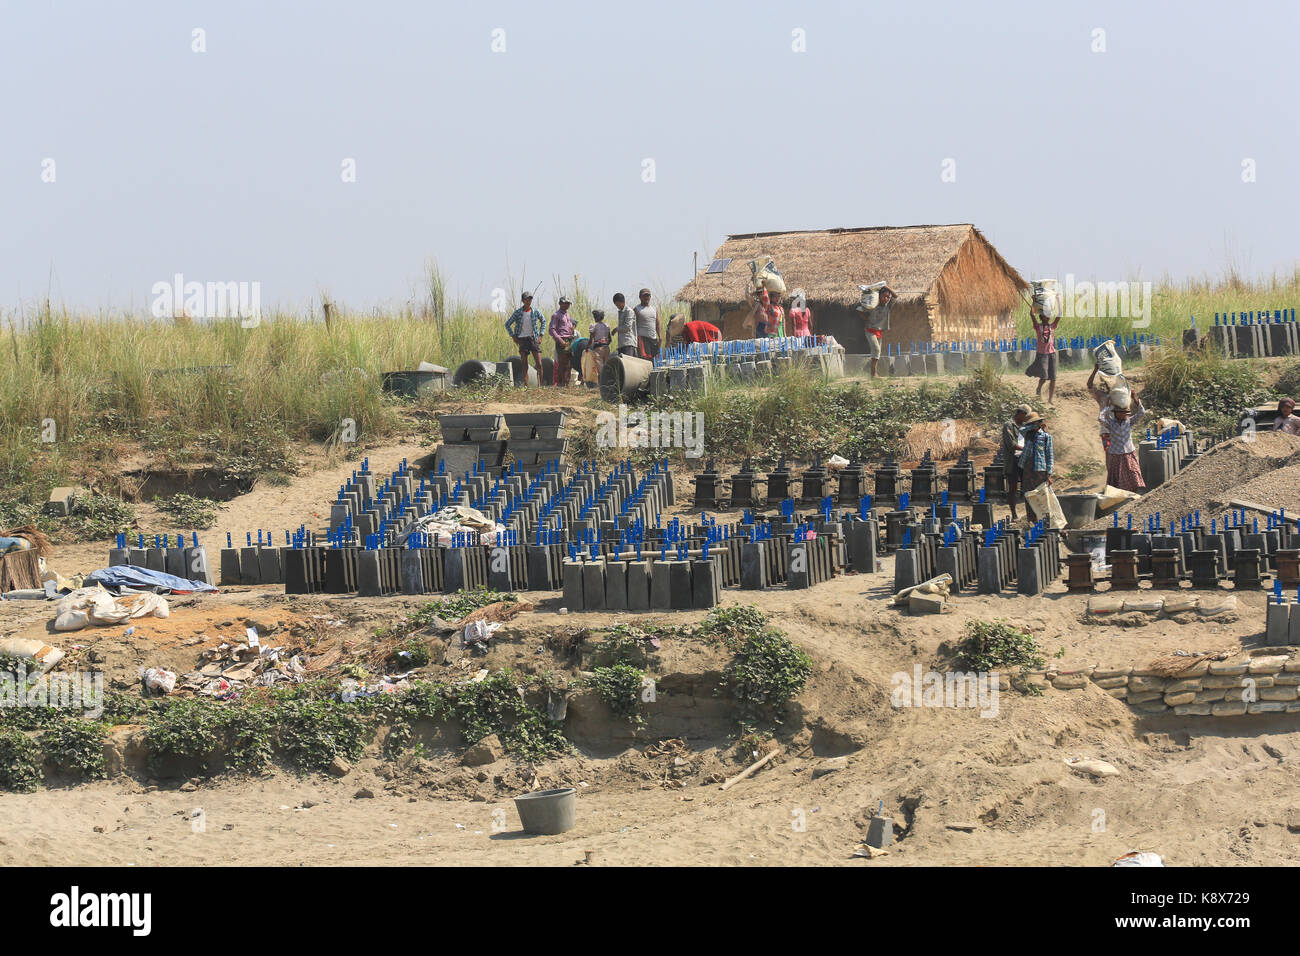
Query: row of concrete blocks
x,y
189,563
1282,623
695,377
1158,464
1265,547
608,585
939,363
930,559
1256,341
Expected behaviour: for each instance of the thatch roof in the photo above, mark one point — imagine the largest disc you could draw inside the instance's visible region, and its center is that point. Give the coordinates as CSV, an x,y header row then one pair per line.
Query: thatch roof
x,y
829,263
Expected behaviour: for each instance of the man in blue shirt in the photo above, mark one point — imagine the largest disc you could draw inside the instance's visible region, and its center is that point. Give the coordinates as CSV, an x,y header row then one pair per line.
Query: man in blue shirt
x,y
1037,459
525,326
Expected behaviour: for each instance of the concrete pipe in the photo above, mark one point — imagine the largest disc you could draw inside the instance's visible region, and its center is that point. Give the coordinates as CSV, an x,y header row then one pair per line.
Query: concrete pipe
x,y
517,370
472,371
624,377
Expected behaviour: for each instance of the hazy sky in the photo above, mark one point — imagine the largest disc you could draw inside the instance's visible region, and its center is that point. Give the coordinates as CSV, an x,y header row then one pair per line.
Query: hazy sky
x,y
228,164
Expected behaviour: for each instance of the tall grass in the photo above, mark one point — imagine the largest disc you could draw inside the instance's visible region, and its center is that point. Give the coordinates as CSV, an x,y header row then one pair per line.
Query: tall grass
x,y
1174,303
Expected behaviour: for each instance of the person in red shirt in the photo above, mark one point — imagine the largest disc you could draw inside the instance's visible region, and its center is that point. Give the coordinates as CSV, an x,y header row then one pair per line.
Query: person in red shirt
x,y
681,331
800,315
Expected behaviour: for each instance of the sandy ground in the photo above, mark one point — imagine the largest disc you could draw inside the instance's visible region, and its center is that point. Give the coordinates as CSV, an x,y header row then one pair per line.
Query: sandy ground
x,y
1197,791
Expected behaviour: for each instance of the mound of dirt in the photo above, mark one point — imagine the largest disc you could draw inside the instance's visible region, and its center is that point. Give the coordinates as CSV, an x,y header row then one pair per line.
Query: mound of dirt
x,y
1263,470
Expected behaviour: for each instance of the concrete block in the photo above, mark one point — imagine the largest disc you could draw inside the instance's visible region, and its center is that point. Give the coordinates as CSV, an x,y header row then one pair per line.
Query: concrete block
x,y
369,581
571,573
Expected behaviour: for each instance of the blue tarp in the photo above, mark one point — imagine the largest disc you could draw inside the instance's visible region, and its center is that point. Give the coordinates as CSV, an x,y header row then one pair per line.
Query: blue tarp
x,y
130,576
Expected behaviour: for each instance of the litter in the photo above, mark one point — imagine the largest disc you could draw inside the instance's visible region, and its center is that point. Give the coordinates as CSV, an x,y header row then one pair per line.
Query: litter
x,y
159,679
1138,858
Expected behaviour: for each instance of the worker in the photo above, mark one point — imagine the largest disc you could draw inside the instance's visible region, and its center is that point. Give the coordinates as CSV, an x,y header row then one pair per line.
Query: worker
x,y
1286,420
1013,443
800,315
1043,367
647,326
1118,418
598,339
562,329
682,332
626,318
1099,387
1036,458
524,325
876,321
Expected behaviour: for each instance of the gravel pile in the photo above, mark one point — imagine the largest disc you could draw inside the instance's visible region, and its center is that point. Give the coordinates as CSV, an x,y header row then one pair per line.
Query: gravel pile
x,y
1265,470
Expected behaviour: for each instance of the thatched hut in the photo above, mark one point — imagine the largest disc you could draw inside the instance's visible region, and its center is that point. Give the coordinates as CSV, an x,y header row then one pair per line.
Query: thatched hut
x,y
951,283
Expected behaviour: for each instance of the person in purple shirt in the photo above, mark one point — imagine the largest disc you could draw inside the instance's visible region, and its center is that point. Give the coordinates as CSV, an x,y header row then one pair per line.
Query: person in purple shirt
x,y
562,329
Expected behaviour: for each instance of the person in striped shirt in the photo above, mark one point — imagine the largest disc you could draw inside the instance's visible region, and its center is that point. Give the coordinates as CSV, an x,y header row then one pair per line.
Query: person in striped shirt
x,y
1118,418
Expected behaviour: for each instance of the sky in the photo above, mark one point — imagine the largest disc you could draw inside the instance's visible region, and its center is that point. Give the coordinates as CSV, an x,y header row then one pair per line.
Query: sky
x,y
521,143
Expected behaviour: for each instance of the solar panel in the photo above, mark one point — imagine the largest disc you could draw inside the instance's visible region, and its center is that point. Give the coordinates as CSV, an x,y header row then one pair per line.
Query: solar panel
x,y
717,265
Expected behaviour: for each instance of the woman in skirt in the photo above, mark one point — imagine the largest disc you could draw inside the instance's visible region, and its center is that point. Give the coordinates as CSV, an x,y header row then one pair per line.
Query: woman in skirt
x,y
1118,418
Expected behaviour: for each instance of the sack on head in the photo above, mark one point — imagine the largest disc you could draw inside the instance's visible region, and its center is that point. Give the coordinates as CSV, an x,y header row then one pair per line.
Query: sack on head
x,y
765,276
1046,299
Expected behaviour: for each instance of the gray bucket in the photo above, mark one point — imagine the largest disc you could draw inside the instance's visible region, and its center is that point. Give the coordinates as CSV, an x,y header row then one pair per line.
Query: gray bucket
x,y
1079,510
412,384
548,812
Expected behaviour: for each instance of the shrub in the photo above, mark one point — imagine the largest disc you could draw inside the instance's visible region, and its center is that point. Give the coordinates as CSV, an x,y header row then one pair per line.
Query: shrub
x,y
311,733
76,746
995,645
189,512
20,761
767,672
619,687
733,625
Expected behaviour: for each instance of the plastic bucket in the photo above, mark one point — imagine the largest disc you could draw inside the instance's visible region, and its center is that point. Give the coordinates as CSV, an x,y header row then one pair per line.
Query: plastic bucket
x,y
548,812
412,384
1079,510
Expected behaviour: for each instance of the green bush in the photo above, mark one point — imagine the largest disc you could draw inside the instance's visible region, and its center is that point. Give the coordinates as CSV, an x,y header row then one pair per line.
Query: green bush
x,y
619,687
76,746
20,761
766,673
733,625
311,733
189,512
997,645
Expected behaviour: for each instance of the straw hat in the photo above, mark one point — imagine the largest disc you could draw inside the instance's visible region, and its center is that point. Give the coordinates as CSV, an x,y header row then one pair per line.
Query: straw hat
x,y
1033,418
